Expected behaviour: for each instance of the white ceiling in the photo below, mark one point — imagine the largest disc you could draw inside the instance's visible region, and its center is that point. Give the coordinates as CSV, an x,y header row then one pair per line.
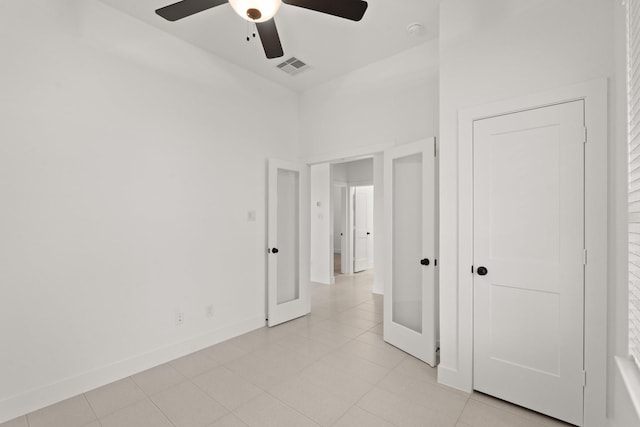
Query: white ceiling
x,y
331,46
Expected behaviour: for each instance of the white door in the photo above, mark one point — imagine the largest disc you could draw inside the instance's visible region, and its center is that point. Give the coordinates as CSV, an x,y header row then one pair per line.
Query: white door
x,y
410,272
529,258
362,228
288,242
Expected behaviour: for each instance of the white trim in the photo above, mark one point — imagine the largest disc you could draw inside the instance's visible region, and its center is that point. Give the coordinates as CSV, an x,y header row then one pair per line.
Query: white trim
x,y
32,400
349,155
631,378
361,183
595,95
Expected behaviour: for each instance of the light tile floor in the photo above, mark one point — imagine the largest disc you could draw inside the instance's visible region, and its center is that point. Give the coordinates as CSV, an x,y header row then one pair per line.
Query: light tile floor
x,y
330,368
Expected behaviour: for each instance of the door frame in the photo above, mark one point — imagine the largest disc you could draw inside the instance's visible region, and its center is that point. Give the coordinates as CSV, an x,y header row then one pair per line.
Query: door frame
x,y
376,151
460,374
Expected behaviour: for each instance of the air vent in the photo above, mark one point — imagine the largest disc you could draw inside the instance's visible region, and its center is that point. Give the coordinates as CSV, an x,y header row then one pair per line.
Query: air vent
x,y
293,66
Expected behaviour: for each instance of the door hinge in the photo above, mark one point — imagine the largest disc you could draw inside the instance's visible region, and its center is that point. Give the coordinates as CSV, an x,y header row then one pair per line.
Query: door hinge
x,y
584,378
472,269
435,143
584,256
584,135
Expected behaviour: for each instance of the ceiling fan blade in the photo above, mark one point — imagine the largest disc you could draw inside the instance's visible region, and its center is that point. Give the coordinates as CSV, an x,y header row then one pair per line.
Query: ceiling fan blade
x,y
270,38
185,8
348,9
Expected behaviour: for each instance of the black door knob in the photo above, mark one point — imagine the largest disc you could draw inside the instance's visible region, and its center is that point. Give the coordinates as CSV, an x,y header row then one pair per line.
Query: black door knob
x,y
368,233
424,261
274,251
482,271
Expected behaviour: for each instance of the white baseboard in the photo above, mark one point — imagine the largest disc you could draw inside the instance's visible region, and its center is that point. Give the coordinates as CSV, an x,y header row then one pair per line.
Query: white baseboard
x,y
378,286
451,377
629,374
38,398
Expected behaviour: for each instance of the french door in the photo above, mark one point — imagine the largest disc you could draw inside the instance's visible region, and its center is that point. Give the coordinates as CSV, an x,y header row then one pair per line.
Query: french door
x,y
410,309
288,242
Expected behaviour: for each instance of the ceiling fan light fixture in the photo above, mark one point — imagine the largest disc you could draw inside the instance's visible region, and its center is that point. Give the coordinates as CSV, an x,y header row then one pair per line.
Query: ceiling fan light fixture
x,y
256,10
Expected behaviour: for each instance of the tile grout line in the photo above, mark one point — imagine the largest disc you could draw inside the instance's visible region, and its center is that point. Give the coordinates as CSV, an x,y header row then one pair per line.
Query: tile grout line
x,y
291,407
229,410
463,408
84,395
160,410
369,412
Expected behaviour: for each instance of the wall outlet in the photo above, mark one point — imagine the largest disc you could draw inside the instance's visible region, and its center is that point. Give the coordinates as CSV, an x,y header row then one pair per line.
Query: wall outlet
x,y
179,318
209,310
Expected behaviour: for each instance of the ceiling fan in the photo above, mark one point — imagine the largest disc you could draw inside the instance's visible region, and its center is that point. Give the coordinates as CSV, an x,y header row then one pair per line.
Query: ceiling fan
x,y
261,12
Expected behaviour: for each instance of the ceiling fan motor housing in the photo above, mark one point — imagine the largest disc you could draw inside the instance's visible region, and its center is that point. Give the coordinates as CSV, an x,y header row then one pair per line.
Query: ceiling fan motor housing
x,y
256,10
254,14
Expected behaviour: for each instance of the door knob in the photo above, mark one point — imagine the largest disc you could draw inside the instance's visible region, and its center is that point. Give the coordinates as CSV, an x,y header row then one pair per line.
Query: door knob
x,y
274,251
482,271
368,233
424,261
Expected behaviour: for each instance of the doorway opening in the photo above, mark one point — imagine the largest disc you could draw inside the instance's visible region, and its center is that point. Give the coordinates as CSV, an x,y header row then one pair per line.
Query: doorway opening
x,y
343,195
353,217
342,219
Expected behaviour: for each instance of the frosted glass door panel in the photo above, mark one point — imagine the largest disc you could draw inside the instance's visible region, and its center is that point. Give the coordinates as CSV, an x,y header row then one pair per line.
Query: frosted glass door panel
x,y
407,241
288,235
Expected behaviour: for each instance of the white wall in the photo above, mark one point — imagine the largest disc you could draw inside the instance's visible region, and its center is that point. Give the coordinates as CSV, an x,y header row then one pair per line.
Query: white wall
x,y
127,174
501,49
360,172
390,102
337,207
321,223
340,173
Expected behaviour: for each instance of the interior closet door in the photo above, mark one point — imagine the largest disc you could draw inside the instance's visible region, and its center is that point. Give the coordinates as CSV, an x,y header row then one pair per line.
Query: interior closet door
x,y
288,294
529,258
410,272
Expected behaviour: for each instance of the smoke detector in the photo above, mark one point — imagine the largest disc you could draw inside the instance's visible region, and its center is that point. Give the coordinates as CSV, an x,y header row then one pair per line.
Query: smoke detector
x,y
293,66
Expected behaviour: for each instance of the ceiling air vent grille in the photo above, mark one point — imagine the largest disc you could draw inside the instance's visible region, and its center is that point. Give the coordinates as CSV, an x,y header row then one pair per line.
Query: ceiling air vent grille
x,y
293,66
